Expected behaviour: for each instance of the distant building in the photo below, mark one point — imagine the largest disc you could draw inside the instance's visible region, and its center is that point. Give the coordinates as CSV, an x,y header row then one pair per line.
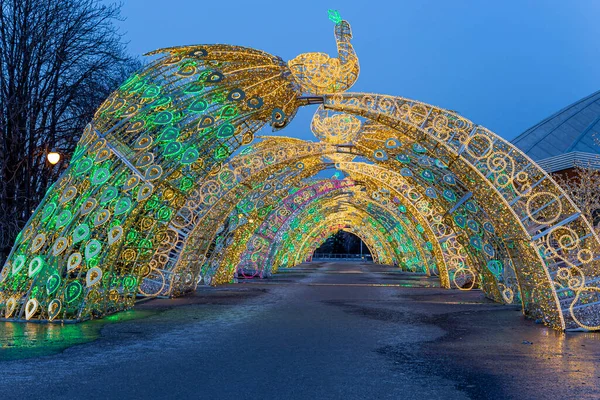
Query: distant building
x,y
568,138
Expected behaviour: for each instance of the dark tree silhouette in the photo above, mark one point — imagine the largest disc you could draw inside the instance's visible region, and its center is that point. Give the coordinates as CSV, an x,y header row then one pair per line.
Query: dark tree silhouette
x,y
59,59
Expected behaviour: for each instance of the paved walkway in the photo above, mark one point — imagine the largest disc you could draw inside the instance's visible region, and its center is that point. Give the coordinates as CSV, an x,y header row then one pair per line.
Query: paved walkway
x,y
319,331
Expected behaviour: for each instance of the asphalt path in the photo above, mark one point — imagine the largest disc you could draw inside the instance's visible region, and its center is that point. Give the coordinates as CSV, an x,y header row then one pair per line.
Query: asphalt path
x,y
318,331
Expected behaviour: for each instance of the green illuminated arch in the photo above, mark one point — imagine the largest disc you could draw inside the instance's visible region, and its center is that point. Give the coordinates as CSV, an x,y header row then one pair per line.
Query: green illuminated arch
x,y
163,185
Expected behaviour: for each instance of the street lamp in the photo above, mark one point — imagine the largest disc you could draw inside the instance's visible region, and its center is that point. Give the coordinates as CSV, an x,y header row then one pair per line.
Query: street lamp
x,y
53,157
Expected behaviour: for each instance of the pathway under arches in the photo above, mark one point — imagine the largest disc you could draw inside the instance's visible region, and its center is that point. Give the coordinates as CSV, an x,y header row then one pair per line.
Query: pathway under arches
x,y
166,191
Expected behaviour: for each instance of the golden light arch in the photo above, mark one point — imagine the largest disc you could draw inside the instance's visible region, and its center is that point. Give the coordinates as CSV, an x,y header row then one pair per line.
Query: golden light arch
x,y
377,250
352,216
321,199
163,149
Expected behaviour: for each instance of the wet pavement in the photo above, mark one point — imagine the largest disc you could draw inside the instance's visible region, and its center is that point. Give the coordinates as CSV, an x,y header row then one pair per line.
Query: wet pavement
x,y
318,331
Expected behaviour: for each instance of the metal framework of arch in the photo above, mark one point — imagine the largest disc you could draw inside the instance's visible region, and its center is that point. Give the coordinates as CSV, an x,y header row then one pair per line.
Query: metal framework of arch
x,y
167,189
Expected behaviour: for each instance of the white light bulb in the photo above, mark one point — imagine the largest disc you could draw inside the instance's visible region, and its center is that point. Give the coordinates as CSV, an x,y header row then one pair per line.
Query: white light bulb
x,y
53,157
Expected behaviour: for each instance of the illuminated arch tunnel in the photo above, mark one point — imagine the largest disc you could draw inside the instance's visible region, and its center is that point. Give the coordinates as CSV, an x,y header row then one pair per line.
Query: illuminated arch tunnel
x,y
168,189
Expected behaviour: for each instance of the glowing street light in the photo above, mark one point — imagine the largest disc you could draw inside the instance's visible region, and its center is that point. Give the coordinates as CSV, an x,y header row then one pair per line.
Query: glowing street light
x,y
53,157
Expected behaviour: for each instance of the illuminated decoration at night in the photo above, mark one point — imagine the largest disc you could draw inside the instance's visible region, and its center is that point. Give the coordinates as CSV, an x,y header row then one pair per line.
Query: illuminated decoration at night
x,y
169,189
53,157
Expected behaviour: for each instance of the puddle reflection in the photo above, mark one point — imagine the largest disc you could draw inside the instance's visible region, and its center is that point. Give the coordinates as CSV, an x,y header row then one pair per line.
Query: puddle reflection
x,y
20,340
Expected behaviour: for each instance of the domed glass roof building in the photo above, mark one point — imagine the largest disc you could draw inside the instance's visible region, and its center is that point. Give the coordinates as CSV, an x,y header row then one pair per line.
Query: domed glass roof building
x,y
567,138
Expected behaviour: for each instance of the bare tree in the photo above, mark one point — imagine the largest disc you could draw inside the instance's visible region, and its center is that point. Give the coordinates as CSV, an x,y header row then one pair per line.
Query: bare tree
x,y
58,60
582,184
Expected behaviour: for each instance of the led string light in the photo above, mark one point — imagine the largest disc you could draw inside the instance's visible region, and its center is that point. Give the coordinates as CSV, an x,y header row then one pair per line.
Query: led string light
x,y
167,189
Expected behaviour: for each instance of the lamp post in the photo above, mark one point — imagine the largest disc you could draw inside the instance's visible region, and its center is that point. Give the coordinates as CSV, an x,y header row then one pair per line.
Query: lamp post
x,y
53,157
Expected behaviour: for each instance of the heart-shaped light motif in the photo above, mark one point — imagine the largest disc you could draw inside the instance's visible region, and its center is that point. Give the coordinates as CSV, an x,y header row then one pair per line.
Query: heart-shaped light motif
x,y
169,134
38,242
92,249
53,309
130,183
115,234
35,266
52,283
163,118
73,291
144,160
60,245
144,192
103,155
63,218
88,206
101,217
154,172
68,194
206,121
198,105
123,205
172,149
74,261
143,142
93,276
100,176
109,194
48,211
18,264
11,305
189,156
81,233
31,308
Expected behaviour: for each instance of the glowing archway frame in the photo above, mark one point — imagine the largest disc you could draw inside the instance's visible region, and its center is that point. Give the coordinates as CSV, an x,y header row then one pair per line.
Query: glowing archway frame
x,y
266,233
131,193
246,175
370,218
325,232
281,217
242,172
125,197
561,244
453,264
256,164
315,221
380,248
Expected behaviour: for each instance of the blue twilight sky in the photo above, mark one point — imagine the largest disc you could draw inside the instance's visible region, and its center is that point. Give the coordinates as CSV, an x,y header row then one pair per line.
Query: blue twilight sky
x,y
503,64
